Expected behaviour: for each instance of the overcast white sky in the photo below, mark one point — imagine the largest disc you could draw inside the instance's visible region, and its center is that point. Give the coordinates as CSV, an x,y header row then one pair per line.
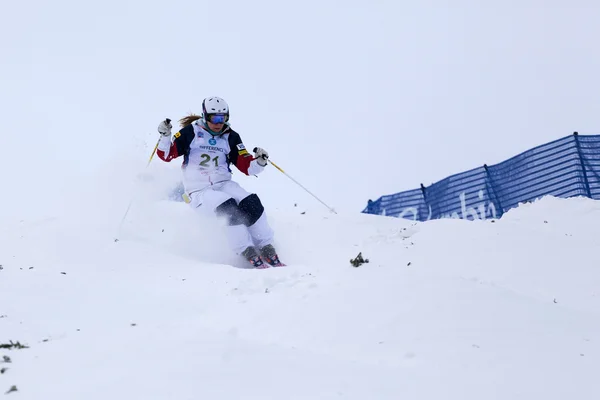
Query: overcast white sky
x,y
354,99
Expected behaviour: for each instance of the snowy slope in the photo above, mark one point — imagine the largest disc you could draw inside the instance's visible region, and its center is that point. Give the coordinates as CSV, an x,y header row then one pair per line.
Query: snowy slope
x,y
446,309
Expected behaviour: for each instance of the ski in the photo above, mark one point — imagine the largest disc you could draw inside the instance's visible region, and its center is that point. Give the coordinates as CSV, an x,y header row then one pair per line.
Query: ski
x,y
272,263
263,263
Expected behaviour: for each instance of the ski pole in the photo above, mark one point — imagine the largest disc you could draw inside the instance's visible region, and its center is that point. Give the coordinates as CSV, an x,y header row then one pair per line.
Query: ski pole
x,y
153,152
298,183
131,200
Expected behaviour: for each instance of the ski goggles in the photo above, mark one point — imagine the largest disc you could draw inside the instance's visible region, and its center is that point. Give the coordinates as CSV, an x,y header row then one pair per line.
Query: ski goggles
x,y
217,118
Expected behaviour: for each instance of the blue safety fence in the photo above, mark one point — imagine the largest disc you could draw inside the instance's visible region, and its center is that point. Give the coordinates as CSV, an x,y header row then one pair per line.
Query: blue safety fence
x,y
566,167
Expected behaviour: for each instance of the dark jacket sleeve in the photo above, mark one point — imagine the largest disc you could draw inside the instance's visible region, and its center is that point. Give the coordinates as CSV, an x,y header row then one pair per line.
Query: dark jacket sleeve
x,y
180,146
238,155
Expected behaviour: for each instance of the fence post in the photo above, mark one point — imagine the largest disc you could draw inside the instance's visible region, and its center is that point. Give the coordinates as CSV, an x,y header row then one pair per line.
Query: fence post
x,y
585,177
424,199
500,210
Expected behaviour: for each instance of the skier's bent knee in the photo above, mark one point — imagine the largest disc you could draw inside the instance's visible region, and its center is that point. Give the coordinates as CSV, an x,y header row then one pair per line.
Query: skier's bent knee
x,y
230,210
252,208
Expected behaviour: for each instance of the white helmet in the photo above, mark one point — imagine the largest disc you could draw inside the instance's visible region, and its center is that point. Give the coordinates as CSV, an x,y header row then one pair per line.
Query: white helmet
x,y
214,105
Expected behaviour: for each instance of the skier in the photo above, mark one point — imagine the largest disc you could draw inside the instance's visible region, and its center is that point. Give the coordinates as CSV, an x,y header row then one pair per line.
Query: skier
x,y
208,146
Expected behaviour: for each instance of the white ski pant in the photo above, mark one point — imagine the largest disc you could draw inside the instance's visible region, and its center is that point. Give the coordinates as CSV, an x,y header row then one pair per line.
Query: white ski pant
x,y
254,231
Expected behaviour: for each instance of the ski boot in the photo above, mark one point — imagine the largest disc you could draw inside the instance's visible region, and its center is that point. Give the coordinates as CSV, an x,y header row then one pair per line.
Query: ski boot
x,y
253,258
269,256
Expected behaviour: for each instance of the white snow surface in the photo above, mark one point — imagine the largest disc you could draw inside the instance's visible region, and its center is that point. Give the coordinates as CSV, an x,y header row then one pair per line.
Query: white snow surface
x,y
446,309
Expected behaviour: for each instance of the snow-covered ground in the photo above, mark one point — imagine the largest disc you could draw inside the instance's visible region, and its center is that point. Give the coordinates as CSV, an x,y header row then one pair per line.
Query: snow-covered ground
x,y
354,100
447,309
